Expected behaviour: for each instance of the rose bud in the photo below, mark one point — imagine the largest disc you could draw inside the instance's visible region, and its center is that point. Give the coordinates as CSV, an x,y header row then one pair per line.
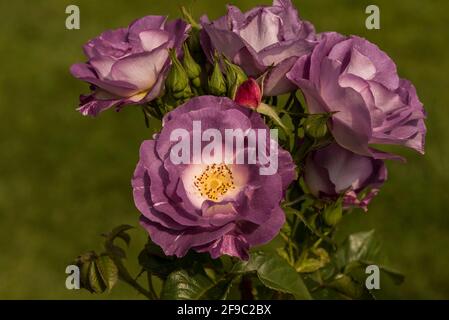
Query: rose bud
x,y
316,126
177,82
235,76
249,94
217,83
191,67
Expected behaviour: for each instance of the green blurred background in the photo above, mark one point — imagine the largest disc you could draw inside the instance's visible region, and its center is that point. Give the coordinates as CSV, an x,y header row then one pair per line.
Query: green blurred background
x,y
64,178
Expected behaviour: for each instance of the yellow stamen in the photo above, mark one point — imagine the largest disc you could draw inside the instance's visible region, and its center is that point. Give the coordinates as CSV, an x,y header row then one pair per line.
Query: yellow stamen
x,y
214,182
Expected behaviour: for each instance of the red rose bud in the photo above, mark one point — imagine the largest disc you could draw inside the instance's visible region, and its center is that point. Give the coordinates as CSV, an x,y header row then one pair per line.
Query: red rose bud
x,y
249,94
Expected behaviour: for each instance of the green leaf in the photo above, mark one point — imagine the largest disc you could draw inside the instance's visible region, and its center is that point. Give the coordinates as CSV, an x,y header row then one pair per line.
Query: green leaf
x,y
349,288
188,17
275,273
152,259
397,277
181,285
108,271
125,237
311,264
84,276
359,246
271,113
360,250
95,281
118,232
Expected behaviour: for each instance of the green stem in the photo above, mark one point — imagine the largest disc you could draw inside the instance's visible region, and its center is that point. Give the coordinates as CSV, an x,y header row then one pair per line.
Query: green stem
x,y
150,285
322,237
296,201
137,286
147,121
298,103
246,288
127,278
290,240
288,104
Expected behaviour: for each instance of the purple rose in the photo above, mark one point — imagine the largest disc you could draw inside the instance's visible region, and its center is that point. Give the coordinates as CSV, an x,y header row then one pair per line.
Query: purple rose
x,y
215,206
333,171
128,65
261,39
355,79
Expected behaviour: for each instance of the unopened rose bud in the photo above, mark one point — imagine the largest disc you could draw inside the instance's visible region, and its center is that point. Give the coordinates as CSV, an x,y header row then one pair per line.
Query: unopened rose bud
x,y
316,126
249,94
192,68
84,263
177,80
235,76
97,273
333,213
217,83
183,95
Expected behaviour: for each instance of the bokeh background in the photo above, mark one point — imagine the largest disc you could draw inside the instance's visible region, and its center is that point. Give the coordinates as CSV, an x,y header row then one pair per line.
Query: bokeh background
x,y
65,179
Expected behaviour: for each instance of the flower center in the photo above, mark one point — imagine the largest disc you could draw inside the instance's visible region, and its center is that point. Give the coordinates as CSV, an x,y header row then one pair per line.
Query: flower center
x,y
215,181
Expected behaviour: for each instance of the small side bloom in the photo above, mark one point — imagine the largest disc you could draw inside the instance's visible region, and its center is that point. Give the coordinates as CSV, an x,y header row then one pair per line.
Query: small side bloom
x,y
333,172
128,65
266,40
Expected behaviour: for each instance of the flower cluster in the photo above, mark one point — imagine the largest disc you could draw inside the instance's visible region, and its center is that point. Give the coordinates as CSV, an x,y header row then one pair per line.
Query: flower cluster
x,y
231,74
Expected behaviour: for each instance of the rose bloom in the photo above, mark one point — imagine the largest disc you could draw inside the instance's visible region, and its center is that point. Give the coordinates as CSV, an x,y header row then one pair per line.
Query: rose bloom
x,y
128,65
219,207
355,79
262,39
333,171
